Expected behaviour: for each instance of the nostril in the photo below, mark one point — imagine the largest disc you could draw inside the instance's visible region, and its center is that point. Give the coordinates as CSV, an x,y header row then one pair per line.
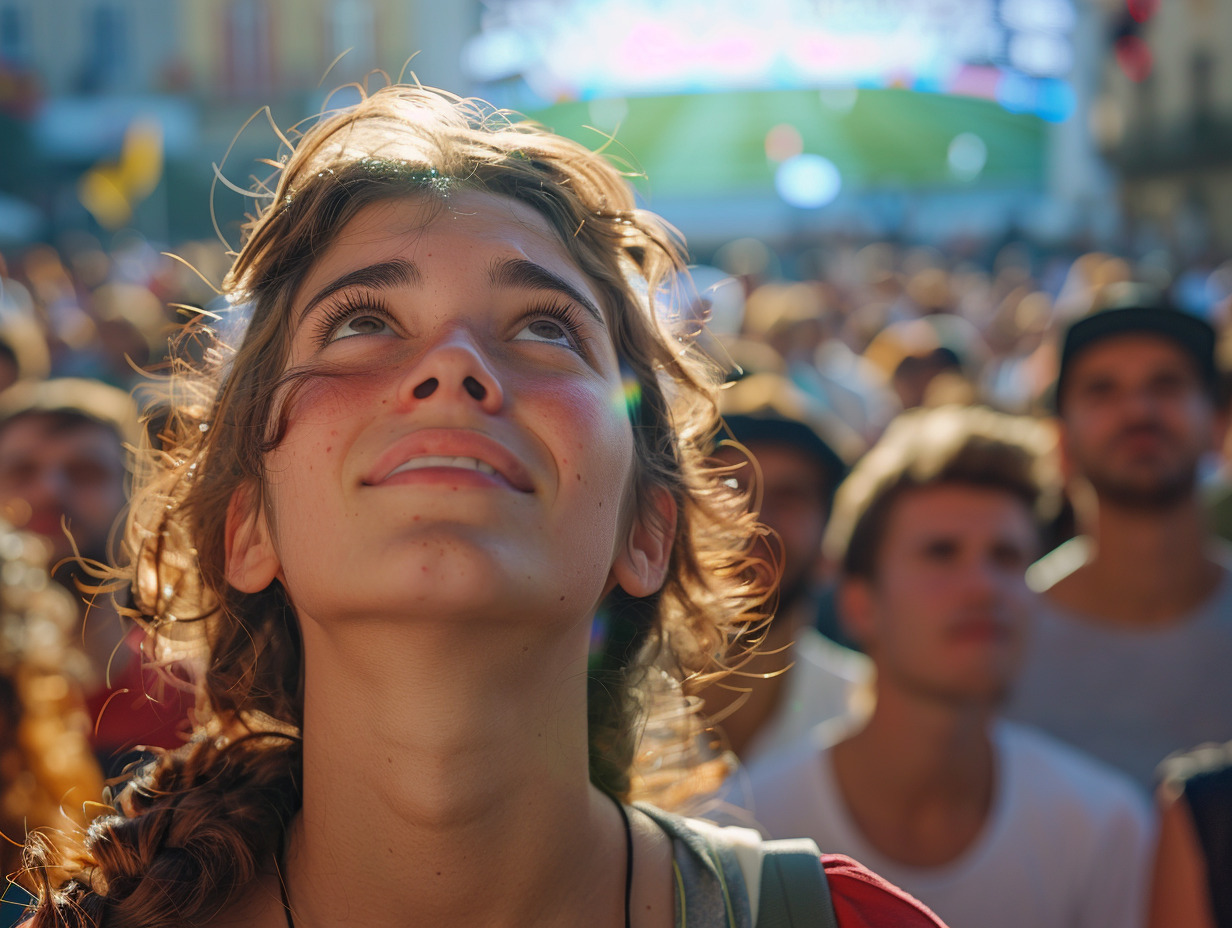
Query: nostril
x,y
474,388
425,389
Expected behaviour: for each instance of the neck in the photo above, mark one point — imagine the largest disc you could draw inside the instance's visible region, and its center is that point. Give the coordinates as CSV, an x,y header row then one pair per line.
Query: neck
x,y
432,762
919,777
1145,567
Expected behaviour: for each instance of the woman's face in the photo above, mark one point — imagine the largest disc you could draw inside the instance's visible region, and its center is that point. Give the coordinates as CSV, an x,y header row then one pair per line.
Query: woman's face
x,y
470,452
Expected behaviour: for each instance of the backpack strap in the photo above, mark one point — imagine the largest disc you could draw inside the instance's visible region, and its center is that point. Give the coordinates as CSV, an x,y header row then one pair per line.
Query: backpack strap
x,y
794,890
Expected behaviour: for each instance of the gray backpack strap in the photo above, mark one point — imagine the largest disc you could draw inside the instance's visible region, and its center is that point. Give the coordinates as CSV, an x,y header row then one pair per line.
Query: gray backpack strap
x,y
794,890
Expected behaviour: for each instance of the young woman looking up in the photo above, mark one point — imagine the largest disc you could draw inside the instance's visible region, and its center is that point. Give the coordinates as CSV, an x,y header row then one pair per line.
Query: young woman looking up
x,y
454,427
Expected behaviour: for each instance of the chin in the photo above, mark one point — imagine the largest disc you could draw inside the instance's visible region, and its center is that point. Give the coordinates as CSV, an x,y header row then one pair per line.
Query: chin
x,y
437,581
966,691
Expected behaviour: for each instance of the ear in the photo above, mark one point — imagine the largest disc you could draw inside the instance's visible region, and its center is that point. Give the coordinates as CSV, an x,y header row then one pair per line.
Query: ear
x,y
252,562
856,610
641,563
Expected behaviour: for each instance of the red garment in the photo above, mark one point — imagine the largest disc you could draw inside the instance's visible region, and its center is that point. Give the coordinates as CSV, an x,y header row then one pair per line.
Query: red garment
x,y
139,709
862,899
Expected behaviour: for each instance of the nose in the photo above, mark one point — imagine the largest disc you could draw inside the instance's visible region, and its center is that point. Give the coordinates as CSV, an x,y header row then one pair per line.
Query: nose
x,y
45,487
985,580
454,368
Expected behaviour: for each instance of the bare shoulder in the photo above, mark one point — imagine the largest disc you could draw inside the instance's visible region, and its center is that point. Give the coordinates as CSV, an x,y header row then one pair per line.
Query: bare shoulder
x,y
1179,896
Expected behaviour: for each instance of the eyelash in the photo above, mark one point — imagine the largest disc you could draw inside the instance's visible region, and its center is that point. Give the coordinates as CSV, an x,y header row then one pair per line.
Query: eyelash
x,y
346,308
353,305
568,315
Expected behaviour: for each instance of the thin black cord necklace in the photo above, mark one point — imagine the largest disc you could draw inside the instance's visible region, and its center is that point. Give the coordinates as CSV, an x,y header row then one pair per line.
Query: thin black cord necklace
x,y
624,819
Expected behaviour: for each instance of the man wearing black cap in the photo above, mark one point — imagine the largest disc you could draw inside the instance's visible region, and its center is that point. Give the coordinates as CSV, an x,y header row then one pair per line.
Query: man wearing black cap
x,y
1132,652
810,678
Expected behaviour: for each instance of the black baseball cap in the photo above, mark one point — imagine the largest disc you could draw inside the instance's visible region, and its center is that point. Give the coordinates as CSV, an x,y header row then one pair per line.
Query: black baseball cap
x,y
770,409
1141,313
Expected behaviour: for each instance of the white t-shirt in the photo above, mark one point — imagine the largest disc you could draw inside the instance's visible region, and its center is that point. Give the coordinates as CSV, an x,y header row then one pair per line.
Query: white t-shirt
x,y
1067,844
1130,697
819,687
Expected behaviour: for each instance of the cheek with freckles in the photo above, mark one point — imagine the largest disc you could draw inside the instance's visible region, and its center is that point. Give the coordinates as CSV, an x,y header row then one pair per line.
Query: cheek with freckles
x,y
592,443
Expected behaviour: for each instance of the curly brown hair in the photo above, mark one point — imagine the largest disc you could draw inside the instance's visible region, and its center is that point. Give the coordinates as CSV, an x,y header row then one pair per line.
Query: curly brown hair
x,y
197,824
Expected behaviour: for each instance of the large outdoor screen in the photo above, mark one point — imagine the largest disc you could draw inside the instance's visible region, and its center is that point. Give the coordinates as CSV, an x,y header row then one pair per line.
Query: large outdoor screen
x,y
1018,52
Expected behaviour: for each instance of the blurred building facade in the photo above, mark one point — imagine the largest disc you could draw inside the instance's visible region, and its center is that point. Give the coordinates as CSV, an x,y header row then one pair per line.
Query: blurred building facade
x,y
1164,120
75,75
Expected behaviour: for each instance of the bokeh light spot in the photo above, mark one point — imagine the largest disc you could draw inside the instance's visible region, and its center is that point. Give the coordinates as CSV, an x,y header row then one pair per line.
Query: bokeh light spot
x,y
1134,57
808,181
1055,101
783,142
967,156
1141,10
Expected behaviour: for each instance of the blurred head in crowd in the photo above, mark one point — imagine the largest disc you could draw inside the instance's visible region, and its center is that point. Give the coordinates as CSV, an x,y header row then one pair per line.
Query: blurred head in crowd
x,y
62,461
793,319
1136,400
919,357
934,530
796,456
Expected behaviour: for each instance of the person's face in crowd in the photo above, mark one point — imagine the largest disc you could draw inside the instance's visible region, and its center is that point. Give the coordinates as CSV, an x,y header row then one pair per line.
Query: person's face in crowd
x,y
467,447
794,502
52,472
1136,420
945,616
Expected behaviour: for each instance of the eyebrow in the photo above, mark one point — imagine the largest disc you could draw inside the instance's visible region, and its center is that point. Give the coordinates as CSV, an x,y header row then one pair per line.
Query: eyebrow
x,y
395,273
526,275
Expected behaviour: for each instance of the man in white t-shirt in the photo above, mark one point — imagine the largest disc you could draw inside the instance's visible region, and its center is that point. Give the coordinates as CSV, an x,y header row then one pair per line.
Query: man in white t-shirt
x,y
986,822
1133,644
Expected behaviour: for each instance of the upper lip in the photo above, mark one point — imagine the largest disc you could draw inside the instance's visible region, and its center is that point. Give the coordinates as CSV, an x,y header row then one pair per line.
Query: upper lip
x,y
452,442
1149,430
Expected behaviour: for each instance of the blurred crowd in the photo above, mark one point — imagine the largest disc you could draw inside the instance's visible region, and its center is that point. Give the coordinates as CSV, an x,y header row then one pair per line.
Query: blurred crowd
x,y
851,366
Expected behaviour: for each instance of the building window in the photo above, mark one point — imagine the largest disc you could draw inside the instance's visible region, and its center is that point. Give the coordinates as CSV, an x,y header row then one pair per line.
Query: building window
x,y
107,61
13,38
1201,72
249,50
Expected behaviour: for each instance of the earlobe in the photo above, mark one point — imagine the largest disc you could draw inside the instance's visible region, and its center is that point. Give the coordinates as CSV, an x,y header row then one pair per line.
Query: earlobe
x,y
252,562
641,564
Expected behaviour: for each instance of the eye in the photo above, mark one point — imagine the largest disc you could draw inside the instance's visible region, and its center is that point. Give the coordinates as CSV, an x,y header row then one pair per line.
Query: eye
x,y
545,330
940,550
552,325
355,315
1010,557
359,325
